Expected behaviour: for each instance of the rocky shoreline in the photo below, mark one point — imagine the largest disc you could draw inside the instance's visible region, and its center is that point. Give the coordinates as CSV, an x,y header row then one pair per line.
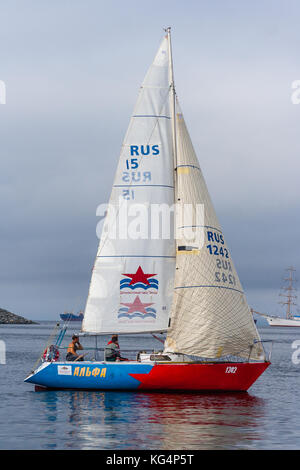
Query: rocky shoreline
x,y
8,318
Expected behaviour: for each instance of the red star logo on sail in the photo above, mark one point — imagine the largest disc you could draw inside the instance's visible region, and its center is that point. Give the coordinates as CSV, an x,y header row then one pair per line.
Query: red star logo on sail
x,y
137,306
139,276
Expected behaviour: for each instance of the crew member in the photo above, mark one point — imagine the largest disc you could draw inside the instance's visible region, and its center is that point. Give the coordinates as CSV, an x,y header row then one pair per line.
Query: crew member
x,y
72,348
112,351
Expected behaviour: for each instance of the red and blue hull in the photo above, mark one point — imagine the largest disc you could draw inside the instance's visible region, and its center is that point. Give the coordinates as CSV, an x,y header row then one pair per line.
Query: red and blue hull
x,y
147,376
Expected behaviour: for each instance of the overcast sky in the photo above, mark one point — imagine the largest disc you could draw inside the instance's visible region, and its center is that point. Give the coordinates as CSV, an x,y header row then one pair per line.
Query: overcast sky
x,y
72,70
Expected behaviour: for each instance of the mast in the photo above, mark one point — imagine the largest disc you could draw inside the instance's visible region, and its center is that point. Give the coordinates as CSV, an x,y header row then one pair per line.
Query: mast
x,y
289,289
173,98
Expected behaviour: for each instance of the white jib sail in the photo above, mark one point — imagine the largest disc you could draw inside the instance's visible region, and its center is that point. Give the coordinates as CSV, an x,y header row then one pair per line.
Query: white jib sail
x,y
132,280
210,316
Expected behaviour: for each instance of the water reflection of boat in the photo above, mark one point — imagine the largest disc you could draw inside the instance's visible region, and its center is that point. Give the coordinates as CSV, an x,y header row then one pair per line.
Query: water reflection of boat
x,y
128,420
206,421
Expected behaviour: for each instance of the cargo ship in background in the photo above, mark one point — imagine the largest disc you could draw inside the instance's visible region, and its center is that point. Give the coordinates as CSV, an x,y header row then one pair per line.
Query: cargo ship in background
x,y
70,316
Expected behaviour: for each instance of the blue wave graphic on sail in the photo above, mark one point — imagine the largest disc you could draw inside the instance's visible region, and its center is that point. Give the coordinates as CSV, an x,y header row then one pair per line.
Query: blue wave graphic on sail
x,y
125,284
123,312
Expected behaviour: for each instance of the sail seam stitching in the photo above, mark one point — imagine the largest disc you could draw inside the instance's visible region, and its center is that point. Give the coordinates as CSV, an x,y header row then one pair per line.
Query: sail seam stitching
x,y
142,185
219,287
150,115
205,226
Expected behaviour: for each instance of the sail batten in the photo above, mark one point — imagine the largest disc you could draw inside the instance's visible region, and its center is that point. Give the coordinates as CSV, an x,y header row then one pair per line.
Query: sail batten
x,y
213,286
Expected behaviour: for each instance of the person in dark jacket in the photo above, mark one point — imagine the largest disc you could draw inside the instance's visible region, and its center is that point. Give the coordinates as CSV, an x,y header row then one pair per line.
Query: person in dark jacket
x,y
112,351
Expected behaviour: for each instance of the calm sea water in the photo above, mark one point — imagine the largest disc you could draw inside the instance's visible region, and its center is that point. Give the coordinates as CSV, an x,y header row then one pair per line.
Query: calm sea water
x,y
266,417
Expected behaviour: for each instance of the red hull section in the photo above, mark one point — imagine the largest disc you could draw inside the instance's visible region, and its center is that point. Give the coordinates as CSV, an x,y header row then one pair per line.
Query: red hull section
x,y
218,376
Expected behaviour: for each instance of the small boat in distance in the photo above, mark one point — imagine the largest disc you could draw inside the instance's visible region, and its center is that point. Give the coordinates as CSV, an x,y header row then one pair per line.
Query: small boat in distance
x,y
288,292
70,316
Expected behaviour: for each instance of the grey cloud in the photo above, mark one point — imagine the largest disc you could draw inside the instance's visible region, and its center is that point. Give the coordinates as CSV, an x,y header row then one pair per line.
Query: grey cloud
x,y
72,71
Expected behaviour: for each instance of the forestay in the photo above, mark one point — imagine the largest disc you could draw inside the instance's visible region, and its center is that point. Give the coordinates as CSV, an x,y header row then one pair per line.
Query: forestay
x,y
132,280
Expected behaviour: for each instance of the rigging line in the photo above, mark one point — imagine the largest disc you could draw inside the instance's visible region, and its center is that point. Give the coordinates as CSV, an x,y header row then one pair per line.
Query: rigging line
x,y
63,331
47,345
172,105
159,339
61,336
66,322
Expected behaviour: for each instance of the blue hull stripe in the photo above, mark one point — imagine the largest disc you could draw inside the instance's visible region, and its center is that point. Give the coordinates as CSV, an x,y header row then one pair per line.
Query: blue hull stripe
x,y
89,375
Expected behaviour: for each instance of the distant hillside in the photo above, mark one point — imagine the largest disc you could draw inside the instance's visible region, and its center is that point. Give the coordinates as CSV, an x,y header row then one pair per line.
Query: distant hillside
x,y
10,318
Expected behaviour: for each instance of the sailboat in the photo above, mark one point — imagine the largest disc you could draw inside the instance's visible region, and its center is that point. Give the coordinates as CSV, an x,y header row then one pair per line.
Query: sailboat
x,y
183,286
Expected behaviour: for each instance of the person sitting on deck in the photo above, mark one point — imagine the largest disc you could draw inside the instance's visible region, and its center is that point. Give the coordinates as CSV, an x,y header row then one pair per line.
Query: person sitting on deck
x,y
72,348
112,351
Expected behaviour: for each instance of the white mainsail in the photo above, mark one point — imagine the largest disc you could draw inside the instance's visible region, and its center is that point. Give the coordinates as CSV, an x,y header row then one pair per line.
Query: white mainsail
x,y
210,316
132,281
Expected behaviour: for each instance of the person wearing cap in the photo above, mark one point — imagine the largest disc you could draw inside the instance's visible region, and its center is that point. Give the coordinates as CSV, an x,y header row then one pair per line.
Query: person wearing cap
x,y
72,348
